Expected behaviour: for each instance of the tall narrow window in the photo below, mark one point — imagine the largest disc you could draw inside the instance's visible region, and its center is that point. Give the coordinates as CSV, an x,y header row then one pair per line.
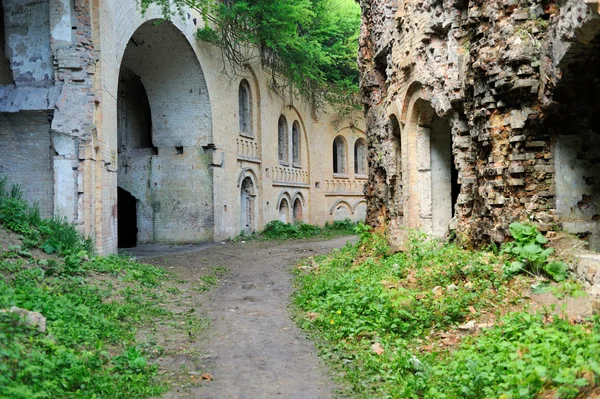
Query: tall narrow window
x,y
296,144
339,155
360,157
245,99
282,135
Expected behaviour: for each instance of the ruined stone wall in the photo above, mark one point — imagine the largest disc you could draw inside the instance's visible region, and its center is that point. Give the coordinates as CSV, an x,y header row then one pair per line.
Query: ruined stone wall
x,y
492,72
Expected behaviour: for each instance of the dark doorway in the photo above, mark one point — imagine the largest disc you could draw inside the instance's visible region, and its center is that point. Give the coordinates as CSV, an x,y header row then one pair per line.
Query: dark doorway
x,y
126,219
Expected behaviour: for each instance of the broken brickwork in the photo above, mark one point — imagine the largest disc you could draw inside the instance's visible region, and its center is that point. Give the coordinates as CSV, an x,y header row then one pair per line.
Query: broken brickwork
x,y
481,113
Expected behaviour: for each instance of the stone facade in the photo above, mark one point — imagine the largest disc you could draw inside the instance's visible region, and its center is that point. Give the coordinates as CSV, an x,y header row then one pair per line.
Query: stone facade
x,y
132,129
481,113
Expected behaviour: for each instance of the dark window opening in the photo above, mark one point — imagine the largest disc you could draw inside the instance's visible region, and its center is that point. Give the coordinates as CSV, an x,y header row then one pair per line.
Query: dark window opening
x,y
296,143
126,219
339,155
282,137
245,105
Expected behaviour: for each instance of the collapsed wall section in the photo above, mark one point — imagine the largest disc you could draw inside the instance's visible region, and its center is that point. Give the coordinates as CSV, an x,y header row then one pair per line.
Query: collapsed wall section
x,y
497,75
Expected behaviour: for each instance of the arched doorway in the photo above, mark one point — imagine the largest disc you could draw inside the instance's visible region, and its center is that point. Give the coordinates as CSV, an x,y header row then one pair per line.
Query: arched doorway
x,y
127,219
432,167
297,211
247,206
160,159
284,211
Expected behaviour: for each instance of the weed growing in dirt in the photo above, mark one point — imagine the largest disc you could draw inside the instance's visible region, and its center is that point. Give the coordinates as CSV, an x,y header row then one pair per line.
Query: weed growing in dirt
x,y
390,322
210,280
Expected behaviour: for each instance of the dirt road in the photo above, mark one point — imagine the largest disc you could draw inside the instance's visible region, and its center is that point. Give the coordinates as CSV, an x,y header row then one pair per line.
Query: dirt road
x,y
252,349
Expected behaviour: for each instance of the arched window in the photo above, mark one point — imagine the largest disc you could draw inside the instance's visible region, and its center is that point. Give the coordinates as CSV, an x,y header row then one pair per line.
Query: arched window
x,y
282,139
360,157
245,99
339,155
296,144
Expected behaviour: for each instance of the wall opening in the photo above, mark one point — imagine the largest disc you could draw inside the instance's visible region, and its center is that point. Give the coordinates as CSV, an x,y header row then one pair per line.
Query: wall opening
x,y
247,206
396,182
296,144
444,178
164,120
575,128
282,140
339,155
133,112
245,105
360,157
298,213
284,211
127,219
6,77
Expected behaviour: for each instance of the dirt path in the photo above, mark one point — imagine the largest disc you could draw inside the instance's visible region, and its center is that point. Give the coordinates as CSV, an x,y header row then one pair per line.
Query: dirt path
x,y
252,349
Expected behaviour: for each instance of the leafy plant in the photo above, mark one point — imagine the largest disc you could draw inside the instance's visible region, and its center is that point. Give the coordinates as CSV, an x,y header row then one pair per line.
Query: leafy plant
x,y
527,248
311,43
383,321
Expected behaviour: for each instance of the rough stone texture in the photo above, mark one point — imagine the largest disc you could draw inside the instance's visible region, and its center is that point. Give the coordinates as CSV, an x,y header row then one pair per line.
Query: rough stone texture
x,y
514,83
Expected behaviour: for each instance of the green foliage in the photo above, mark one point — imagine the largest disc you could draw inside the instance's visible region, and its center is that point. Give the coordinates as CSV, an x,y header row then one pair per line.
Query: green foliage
x,y
74,359
277,230
358,299
527,248
520,359
51,235
89,349
312,43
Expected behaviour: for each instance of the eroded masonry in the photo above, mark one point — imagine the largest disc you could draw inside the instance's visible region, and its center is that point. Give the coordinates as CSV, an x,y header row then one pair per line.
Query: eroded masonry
x,y
481,113
139,133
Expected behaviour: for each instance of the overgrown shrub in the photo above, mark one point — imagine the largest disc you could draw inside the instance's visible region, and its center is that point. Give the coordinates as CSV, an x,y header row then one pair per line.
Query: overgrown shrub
x,y
530,254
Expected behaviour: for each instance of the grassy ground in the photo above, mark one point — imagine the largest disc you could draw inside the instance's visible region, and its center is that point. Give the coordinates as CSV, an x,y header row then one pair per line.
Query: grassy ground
x,y
95,308
389,325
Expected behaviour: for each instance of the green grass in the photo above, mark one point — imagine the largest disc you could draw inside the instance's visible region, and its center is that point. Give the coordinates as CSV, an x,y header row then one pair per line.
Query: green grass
x,y
277,230
93,305
361,300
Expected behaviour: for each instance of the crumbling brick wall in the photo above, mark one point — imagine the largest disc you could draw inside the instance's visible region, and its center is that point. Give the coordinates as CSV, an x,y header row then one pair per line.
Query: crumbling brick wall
x,y
499,75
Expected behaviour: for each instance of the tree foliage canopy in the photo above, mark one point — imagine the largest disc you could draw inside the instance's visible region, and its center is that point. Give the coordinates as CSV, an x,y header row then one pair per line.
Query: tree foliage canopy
x,y
312,43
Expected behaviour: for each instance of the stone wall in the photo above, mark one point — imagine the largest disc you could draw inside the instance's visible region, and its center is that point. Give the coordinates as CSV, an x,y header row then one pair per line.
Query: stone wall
x,y
197,177
500,76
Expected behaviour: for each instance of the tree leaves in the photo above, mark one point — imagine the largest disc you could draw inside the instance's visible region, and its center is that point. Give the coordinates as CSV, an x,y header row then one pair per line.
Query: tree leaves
x,y
312,43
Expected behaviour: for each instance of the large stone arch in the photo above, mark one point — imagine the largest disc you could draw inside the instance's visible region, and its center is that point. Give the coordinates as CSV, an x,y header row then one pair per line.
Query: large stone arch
x,y
171,180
